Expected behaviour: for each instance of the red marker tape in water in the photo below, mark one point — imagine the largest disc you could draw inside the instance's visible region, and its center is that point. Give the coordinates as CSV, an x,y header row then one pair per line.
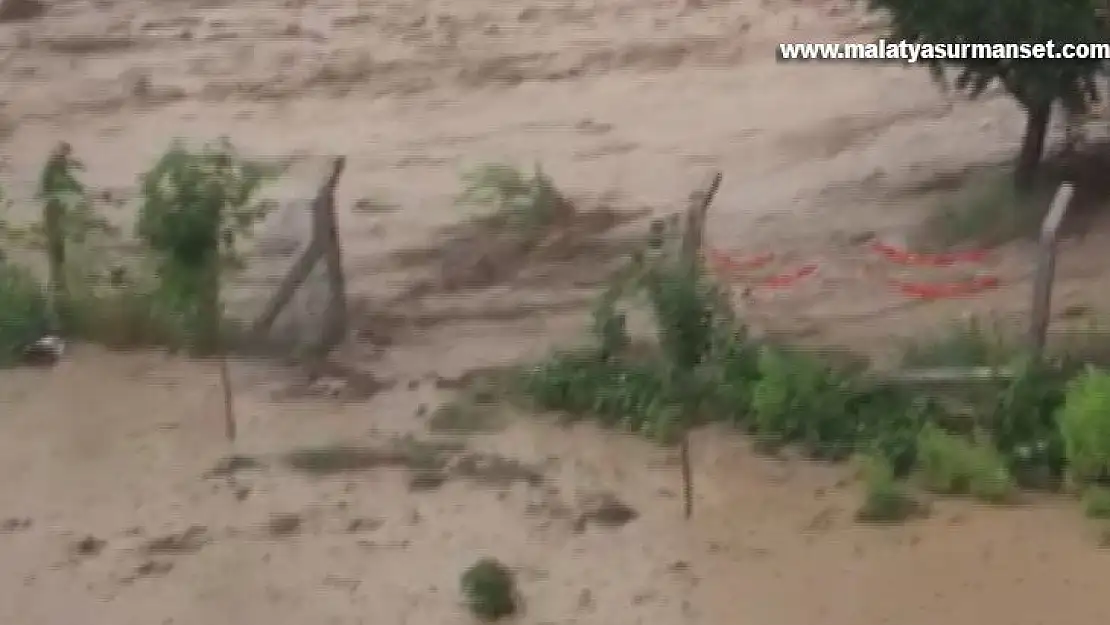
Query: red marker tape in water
x,y
788,279
904,257
724,262
944,290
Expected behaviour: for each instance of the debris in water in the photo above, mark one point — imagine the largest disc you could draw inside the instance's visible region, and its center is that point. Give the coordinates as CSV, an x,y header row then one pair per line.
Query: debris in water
x,y
46,351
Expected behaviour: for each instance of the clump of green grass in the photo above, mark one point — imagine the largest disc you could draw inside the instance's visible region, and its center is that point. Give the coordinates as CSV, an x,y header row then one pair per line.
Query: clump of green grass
x,y
489,589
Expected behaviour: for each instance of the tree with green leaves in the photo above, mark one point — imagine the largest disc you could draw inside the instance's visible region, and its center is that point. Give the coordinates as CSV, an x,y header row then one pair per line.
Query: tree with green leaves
x,y
196,204
1036,84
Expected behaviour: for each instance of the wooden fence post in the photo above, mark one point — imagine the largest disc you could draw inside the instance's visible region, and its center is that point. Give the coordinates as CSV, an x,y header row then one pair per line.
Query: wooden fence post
x,y
335,316
1041,307
693,235
324,244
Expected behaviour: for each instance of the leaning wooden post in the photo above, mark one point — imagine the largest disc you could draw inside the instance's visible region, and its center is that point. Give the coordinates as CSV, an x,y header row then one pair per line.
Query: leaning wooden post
x,y
1041,308
323,244
327,232
693,237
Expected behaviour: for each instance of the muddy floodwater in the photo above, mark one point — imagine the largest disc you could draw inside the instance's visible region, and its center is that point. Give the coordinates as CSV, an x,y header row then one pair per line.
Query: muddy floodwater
x,y
122,507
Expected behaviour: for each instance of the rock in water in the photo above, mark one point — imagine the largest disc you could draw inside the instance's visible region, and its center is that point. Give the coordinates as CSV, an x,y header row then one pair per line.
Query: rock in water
x,y
20,10
606,510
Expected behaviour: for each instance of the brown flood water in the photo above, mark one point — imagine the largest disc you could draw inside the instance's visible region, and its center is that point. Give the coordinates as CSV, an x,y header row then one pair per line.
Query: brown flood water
x,y
106,460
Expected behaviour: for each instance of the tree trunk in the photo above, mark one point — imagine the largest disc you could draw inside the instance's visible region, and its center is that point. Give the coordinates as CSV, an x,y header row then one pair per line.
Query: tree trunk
x,y
1032,145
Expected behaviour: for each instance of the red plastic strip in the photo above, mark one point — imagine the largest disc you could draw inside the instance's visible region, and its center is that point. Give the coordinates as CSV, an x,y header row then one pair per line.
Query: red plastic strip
x,y
903,257
724,262
788,279
943,290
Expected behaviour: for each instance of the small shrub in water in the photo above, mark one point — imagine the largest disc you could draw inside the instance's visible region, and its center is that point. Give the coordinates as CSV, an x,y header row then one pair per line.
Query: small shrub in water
x,y
529,202
489,589
800,399
885,500
951,464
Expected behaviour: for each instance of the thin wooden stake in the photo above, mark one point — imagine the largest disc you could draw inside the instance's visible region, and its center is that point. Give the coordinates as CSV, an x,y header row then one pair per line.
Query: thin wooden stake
x,y
335,317
230,427
687,475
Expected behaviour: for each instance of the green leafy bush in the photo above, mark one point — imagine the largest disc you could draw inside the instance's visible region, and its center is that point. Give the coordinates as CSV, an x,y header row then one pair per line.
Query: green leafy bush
x,y
634,396
800,399
952,464
1024,426
684,303
732,377
1085,426
489,589
888,421
196,205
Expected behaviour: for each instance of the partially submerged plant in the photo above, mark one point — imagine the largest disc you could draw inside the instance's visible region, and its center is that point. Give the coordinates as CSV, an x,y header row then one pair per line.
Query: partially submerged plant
x,y
489,589
952,464
885,499
527,202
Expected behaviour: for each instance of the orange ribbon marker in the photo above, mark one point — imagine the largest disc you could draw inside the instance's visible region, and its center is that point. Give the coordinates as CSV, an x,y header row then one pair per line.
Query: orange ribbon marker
x,y
944,290
903,257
